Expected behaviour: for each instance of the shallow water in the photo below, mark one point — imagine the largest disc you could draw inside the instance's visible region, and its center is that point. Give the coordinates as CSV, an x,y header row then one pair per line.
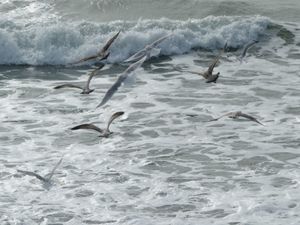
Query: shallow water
x,y
165,163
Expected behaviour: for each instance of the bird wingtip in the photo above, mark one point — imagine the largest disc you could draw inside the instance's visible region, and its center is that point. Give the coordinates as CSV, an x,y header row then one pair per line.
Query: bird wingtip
x,y
99,105
74,128
120,113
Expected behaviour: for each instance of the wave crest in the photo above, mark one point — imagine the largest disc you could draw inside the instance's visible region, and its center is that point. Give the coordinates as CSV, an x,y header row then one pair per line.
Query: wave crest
x,y
61,43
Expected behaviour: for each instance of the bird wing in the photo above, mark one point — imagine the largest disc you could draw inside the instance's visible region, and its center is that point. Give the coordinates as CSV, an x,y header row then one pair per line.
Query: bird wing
x,y
53,170
104,56
214,63
108,44
120,80
110,92
250,118
88,127
158,41
136,56
86,59
247,47
146,50
194,72
135,65
227,114
92,74
68,86
188,71
33,174
113,117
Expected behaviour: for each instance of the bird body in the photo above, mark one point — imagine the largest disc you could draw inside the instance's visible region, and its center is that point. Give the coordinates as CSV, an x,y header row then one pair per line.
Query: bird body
x,y
213,78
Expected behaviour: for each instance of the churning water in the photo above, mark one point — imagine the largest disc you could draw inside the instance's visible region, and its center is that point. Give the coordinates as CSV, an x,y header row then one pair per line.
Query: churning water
x,y
164,163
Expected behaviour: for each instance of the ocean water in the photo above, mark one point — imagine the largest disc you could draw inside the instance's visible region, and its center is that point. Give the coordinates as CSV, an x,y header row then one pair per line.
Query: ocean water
x,y
165,163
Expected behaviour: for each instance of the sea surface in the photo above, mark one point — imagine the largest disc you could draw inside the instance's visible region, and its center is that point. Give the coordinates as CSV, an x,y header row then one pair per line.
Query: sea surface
x,y
165,163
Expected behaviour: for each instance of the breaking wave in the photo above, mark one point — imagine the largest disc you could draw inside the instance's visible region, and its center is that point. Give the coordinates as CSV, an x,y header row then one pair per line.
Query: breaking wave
x,y
58,43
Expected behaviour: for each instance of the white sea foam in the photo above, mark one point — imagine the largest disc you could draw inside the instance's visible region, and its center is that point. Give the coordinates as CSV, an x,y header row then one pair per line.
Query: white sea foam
x,y
164,164
59,43
160,166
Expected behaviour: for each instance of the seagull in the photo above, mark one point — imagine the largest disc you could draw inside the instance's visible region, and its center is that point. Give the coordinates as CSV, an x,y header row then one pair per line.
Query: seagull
x,y
86,89
103,53
120,80
249,45
147,50
237,114
208,74
104,133
45,179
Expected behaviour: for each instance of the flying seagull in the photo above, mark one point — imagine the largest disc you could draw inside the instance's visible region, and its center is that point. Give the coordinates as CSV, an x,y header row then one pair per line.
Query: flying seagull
x,y
237,114
86,89
120,80
103,132
146,51
103,53
249,45
45,179
208,74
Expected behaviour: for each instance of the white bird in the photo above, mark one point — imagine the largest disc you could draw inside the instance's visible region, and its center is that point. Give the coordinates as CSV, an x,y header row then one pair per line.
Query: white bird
x,y
208,74
120,80
103,53
237,114
104,132
86,89
146,51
